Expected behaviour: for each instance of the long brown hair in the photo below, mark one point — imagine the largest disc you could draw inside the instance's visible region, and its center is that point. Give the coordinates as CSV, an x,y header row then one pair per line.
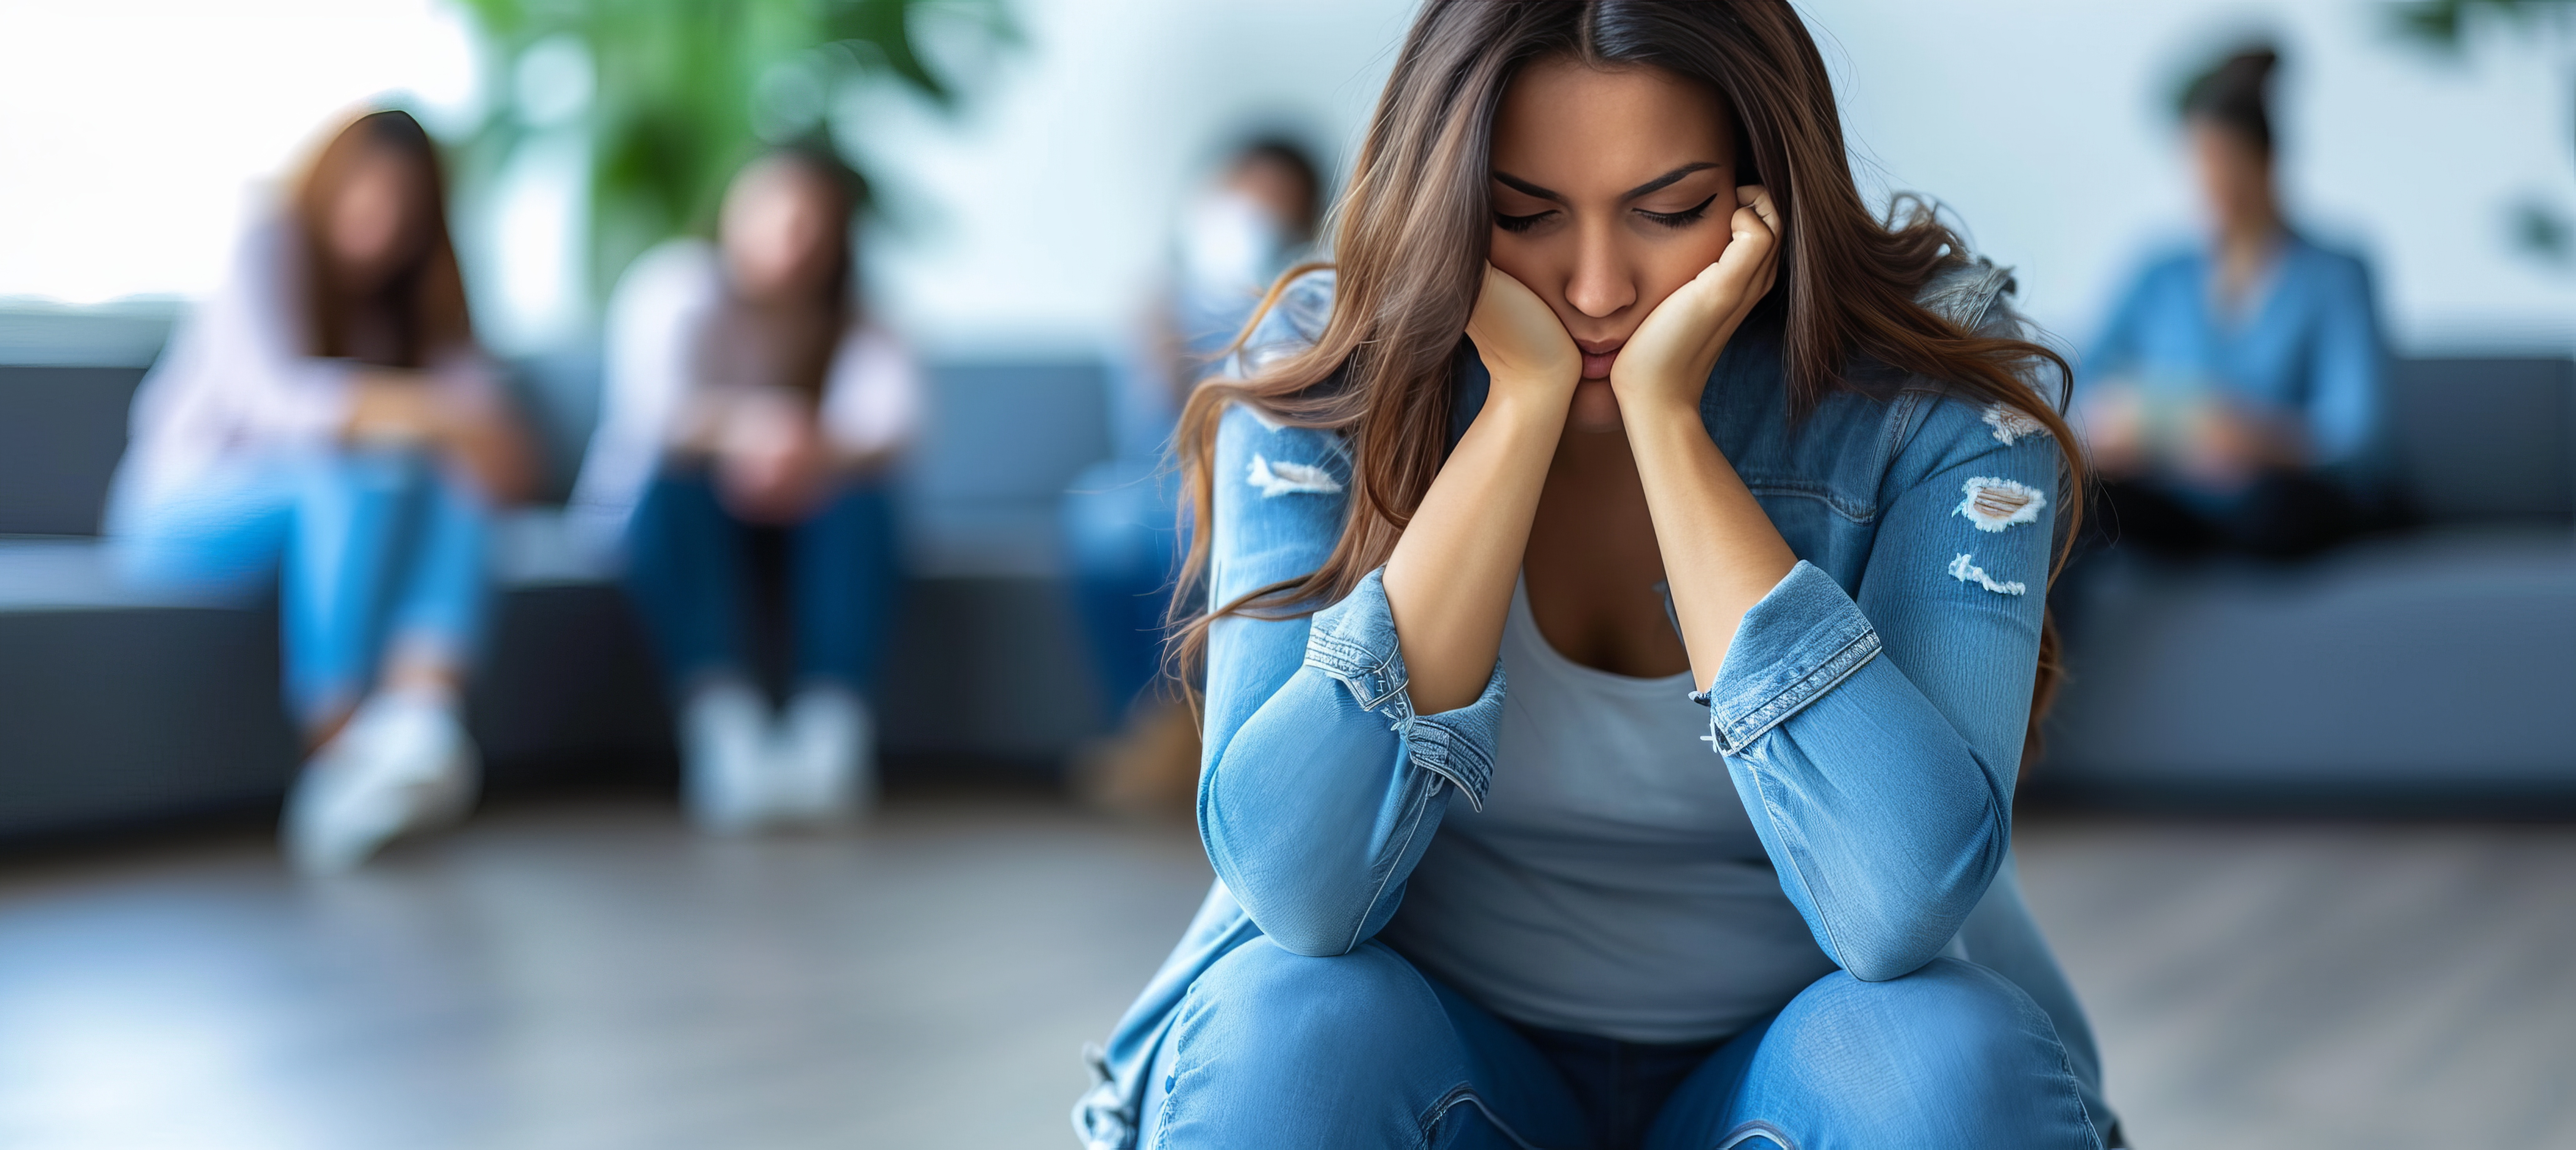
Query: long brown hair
x,y
790,343
418,310
1413,230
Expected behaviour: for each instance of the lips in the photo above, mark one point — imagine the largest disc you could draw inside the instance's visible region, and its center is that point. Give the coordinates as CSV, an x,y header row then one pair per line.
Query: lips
x,y
1597,357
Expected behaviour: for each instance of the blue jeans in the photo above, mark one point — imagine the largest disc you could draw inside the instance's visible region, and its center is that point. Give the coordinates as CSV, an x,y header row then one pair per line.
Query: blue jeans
x,y
1363,1050
377,547
688,569
1123,549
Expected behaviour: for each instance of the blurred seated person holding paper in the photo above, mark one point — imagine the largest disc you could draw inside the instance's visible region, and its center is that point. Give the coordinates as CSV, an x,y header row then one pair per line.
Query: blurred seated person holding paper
x,y
2237,387
751,413
327,417
1121,516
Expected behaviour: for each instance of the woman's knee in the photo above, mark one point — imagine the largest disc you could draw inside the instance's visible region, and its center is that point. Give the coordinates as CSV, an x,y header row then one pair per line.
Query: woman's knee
x,y
1278,1048
1292,1006
1951,1047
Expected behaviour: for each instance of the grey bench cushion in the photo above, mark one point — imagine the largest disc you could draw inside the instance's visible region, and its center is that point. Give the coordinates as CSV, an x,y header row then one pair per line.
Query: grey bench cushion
x,y
2441,661
2483,440
61,431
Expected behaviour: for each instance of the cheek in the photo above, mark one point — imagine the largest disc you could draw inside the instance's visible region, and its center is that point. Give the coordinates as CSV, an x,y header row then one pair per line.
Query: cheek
x,y
1526,260
1543,264
1666,271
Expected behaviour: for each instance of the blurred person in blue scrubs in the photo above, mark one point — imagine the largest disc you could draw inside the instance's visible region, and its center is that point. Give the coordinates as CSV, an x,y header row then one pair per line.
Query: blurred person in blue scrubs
x,y
2236,390
329,416
1255,218
752,412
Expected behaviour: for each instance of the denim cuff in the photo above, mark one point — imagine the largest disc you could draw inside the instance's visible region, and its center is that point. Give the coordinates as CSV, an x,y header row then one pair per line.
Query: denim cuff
x,y
1792,647
1353,642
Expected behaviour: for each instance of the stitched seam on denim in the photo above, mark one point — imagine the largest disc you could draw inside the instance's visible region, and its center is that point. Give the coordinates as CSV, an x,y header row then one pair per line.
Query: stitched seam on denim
x,y
1797,862
2073,1087
1756,1128
1820,492
1333,654
1412,827
1466,1093
1430,736
1805,690
1900,428
1163,1128
1392,702
1757,687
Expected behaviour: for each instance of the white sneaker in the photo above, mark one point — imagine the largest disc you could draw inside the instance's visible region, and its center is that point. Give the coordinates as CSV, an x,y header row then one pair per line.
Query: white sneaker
x,y
724,749
403,764
826,757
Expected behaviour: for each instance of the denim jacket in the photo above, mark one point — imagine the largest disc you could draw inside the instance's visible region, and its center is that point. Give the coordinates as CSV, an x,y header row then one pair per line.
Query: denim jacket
x,y
1870,712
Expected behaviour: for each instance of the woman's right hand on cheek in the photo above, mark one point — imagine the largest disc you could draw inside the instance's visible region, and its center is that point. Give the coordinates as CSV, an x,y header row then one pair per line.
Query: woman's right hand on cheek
x,y
1522,343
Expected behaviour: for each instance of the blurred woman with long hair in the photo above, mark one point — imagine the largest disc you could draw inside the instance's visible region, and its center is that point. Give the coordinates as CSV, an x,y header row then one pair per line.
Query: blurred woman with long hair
x,y
754,409
1627,568
329,413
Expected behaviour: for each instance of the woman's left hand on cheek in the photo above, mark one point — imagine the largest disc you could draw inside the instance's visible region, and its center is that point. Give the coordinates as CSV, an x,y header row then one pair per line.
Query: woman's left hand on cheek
x,y
1673,350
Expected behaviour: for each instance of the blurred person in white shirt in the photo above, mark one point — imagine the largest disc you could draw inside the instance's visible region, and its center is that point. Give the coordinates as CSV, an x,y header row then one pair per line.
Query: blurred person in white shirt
x,y
328,418
753,409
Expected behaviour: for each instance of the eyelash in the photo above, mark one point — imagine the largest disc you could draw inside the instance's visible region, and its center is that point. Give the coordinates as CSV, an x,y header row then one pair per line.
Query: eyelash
x,y
1681,219
1684,218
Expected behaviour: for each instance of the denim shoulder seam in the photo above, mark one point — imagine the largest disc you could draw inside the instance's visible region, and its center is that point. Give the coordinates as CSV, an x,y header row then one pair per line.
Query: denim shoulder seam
x,y
1812,489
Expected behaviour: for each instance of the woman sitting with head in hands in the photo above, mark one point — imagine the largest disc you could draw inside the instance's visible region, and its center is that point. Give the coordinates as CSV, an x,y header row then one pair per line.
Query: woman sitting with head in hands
x,y
329,416
1628,565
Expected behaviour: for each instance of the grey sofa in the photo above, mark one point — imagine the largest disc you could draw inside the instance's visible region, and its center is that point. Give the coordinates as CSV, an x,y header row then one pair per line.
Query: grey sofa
x,y
2431,668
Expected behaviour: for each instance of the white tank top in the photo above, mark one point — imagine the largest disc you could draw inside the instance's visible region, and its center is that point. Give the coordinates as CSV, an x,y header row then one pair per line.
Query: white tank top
x,y
1612,884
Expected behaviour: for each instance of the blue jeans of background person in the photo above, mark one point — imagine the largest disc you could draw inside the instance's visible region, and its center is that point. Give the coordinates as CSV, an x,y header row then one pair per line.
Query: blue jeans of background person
x,y
1361,1050
376,547
688,568
1123,549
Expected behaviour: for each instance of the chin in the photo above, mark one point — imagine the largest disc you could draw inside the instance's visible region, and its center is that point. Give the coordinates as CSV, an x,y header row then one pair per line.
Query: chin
x,y
1595,407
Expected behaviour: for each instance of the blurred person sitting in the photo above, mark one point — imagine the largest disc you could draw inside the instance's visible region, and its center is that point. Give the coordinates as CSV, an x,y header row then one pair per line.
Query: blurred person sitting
x,y
752,411
1120,516
2236,387
328,413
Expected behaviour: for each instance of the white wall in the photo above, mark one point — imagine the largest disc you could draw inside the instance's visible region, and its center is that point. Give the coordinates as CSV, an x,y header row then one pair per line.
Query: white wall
x,y
1036,217
133,133
2044,123
1031,220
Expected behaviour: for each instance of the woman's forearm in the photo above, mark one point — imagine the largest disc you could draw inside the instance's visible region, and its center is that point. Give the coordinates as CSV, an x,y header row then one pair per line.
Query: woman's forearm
x,y
390,404
1449,583
1721,553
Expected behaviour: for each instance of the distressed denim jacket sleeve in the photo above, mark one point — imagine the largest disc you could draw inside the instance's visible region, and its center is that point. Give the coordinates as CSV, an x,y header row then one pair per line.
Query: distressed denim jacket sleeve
x,y
1874,734
1321,787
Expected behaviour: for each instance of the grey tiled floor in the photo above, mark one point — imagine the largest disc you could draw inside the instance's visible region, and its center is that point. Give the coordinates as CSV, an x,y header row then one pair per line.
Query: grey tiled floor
x,y
591,975
2342,987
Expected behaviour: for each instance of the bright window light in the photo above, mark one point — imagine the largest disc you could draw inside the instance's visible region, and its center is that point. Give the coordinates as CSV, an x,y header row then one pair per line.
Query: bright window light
x,y
136,135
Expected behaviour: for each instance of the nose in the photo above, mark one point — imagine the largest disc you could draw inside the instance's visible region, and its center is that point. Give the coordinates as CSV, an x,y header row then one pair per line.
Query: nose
x,y
1602,283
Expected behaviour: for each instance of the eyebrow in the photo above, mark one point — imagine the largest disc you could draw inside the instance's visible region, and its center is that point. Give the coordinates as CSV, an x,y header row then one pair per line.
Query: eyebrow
x,y
1648,188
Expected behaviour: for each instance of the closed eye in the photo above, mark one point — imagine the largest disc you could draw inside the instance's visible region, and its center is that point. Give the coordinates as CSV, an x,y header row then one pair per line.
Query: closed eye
x,y
1683,218
1522,223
